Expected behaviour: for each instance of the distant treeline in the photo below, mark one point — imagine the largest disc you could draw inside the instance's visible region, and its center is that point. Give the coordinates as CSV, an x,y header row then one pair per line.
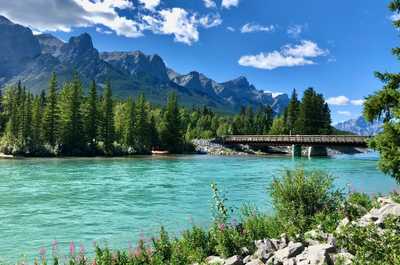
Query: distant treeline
x,y
66,121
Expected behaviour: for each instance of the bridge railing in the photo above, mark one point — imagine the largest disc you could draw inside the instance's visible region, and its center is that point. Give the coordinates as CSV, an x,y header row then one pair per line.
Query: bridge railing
x,y
297,139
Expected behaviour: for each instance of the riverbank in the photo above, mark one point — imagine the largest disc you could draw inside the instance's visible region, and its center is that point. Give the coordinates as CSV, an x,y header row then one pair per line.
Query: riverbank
x,y
321,228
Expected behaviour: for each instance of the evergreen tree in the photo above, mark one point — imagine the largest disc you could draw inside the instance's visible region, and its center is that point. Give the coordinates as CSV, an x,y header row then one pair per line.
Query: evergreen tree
x,y
107,123
142,126
385,104
292,112
278,126
36,121
91,117
51,113
314,114
71,124
171,133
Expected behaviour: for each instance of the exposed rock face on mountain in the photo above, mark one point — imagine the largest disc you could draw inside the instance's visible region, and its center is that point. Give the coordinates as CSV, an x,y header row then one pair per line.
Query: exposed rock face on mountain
x,y
360,126
50,44
31,60
138,64
17,46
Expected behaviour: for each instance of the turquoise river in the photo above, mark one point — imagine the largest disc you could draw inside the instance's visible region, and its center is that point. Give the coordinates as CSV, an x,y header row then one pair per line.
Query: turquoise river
x,y
117,201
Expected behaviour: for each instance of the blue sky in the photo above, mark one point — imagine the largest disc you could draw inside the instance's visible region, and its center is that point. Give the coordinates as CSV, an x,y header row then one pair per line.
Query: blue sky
x,y
333,46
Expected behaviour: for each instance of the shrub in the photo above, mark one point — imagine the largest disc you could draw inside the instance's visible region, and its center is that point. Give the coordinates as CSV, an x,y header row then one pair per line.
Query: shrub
x,y
258,225
371,245
299,196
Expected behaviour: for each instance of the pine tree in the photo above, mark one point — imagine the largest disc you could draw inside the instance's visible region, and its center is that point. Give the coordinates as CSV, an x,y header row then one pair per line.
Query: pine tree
x,y
107,123
171,133
142,126
91,117
292,112
314,114
385,104
51,113
129,135
71,124
36,122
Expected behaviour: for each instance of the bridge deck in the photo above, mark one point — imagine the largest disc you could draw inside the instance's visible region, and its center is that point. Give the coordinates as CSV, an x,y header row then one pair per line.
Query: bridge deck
x,y
307,140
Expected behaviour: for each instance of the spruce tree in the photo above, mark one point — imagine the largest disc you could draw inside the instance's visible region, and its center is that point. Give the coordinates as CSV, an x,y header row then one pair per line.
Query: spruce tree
x,y
91,117
142,126
385,104
292,112
171,134
51,113
71,124
107,123
36,122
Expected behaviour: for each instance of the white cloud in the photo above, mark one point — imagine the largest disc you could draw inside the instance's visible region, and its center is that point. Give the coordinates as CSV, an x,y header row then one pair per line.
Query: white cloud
x,y
295,30
63,15
230,3
105,17
232,29
343,101
177,22
210,21
344,113
357,102
209,3
395,17
101,30
150,4
288,56
338,101
270,61
305,49
251,27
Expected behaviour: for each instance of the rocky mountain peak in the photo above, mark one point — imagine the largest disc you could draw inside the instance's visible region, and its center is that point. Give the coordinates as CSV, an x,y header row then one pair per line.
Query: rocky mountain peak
x,y
4,20
50,44
82,42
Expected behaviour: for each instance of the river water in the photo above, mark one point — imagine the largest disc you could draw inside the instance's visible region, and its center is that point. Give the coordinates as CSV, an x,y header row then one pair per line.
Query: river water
x,y
116,201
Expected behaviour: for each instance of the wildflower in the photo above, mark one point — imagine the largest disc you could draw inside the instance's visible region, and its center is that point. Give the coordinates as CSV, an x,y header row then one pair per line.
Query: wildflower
x,y
221,227
72,249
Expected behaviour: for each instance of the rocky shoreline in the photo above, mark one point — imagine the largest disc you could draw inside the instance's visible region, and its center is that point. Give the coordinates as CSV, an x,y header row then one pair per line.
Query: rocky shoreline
x,y
211,147
317,247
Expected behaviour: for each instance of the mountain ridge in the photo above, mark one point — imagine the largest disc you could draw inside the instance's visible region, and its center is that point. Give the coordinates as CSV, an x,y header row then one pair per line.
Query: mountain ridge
x,y
360,126
33,59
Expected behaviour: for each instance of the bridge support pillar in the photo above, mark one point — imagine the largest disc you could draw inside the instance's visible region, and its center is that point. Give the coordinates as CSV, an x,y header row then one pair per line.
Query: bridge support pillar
x,y
317,151
296,150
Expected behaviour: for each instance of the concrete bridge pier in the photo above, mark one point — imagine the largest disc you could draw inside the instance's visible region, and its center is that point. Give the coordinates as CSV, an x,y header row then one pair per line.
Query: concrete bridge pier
x,y
296,150
317,151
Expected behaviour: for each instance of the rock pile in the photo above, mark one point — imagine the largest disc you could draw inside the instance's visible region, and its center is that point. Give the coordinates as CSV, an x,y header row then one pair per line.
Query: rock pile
x,y
318,248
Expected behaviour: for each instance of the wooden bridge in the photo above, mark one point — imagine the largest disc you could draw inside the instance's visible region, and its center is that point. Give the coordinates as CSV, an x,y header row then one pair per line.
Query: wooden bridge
x,y
316,143
304,140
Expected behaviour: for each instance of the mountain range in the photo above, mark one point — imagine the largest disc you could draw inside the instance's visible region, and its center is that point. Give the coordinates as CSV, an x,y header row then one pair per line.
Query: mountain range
x,y
32,58
360,126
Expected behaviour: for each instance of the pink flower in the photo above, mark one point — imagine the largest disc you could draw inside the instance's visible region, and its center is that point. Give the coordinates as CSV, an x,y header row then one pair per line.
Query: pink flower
x,y
42,253
81,250
72,249
221,227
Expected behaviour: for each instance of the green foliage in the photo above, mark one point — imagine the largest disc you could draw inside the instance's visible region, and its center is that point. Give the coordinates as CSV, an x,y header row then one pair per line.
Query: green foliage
x,y
386,103
51,114
278,126
172,129
372,246
299,196
71,121
107,119
314,114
